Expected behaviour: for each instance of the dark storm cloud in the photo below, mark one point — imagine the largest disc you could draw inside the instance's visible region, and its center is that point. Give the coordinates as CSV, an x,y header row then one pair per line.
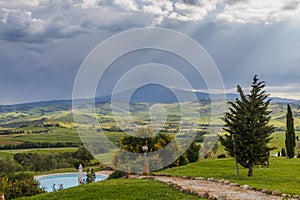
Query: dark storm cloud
x,y
43,43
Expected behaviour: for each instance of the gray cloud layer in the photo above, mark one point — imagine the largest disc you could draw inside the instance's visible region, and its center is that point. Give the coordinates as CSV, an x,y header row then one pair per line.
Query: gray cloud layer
x,y
40,21
42,43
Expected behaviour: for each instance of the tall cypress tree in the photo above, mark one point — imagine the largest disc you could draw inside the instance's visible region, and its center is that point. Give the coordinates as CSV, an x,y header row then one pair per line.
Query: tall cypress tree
x,y
290,137
248,122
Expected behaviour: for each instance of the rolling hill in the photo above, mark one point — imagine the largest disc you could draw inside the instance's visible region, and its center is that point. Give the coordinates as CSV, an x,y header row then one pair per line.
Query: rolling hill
x,y
60,111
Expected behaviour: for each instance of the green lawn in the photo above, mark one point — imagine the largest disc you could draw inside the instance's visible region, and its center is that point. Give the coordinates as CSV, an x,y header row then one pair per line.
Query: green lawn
x,y
283,174
57,134
117,189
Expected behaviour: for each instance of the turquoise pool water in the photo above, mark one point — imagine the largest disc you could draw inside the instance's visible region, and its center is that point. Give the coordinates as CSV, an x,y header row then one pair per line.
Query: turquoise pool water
x,y
66,179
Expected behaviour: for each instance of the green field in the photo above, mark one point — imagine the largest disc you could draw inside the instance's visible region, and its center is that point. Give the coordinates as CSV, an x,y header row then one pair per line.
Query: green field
x,y
30,119
283,174
117,189
40,150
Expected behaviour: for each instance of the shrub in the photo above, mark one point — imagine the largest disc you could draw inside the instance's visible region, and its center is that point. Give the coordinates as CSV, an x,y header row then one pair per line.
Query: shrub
x,y
116,174
192,153
8,165
20,176
90,176
20,185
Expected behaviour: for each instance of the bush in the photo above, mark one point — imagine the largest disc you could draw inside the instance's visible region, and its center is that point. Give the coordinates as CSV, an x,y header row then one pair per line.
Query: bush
x,y
114,129
8,165
116,174
20,176
13,187
90,176
192,153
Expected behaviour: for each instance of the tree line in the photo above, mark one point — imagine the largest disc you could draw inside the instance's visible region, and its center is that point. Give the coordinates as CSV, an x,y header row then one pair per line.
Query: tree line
x,y
44,161
32,145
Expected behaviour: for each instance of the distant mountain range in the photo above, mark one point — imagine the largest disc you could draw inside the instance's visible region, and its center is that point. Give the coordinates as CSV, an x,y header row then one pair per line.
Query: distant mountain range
x,y
151,93
154,93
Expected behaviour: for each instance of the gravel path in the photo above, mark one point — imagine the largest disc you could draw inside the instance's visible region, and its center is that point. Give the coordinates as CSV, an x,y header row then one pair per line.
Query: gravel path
x,y
214,189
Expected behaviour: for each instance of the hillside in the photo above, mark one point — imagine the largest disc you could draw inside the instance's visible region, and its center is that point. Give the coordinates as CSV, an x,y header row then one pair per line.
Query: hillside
x,y
117,189
60,112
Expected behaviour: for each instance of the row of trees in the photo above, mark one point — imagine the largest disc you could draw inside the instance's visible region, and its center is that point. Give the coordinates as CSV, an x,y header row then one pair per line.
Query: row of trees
x,y
10,131
44,162
31,145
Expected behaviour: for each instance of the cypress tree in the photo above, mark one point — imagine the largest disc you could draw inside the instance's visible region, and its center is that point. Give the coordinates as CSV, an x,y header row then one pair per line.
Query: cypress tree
x,y
248,122
290,137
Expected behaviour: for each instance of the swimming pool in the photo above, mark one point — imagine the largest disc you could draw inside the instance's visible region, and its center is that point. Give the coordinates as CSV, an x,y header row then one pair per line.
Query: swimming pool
x,y
67,180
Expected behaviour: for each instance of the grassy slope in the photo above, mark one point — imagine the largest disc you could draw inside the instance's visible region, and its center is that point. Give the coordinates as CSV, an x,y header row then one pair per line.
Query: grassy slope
x,y
58,135
40,150
117,189
283,174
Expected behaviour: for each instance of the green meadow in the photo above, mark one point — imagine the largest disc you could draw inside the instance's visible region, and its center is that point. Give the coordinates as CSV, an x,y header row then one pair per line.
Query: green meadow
x,y
282,174
117,189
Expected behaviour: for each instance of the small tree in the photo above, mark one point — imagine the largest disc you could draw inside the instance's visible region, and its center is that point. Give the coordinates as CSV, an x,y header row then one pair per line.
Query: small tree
x,y
248,121
290,137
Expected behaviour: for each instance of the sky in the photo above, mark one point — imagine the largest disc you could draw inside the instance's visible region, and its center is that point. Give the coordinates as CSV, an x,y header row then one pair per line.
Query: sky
x,y
44,42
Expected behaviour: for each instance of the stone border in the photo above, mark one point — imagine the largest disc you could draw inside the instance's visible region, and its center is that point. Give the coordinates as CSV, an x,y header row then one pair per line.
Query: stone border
x,y
224,182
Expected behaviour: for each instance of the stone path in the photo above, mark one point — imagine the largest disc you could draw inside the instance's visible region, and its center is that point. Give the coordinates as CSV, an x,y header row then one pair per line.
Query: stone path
x,y
214,189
